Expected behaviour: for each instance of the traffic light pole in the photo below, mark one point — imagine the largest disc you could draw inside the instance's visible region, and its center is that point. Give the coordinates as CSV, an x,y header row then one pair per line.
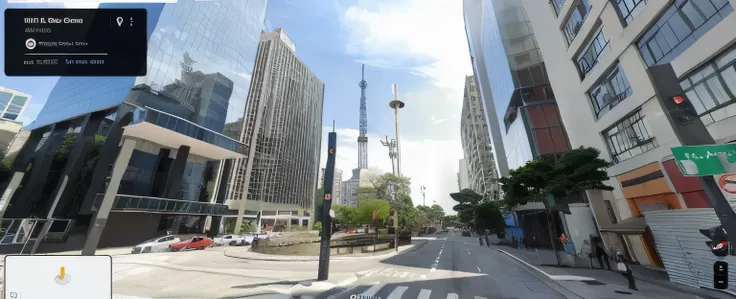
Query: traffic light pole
x,y
690,130
323,271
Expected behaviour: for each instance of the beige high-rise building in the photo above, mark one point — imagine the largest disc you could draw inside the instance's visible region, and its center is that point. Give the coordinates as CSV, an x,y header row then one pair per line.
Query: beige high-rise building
x,y
283,130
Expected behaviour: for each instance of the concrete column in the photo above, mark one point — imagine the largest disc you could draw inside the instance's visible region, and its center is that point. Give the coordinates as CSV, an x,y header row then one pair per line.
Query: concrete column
x,y
102,168
100,219
70,175
30,193
176,172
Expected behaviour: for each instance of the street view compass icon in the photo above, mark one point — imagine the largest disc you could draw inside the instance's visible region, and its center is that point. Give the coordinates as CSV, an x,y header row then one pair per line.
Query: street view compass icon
x,y
63,278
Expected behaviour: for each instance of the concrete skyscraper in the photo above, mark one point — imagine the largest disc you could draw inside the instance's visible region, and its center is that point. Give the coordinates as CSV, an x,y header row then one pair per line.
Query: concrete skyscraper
x,y
282,129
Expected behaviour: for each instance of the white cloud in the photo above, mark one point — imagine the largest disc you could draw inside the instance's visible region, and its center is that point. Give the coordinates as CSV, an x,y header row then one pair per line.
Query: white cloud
x,y
426,37
432,163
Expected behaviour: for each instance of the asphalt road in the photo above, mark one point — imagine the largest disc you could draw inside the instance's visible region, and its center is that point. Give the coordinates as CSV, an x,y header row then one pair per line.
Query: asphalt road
x,y
449,267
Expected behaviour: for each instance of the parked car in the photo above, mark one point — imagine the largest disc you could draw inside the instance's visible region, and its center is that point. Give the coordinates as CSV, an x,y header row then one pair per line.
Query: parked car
x,y
193,243
158,244
233,240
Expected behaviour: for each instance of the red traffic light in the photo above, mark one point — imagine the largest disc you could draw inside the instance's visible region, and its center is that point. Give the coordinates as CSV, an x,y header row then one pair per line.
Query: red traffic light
x,y
678,99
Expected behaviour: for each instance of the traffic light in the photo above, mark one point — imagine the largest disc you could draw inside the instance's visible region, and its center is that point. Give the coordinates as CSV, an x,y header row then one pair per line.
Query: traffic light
x,y
718,243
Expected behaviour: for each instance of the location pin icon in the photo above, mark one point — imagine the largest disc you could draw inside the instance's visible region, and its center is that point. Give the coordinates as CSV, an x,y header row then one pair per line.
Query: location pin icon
x,y
120,21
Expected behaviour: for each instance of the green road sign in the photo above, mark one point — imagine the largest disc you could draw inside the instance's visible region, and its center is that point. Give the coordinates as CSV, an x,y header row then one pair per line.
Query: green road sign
x,y
705,160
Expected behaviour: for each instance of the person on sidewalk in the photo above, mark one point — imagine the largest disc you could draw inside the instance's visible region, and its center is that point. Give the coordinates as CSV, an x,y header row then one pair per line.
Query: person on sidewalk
x,y
600,253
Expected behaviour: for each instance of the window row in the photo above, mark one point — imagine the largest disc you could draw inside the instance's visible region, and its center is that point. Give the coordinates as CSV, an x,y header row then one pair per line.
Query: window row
x,y
589,57
629,138
713,85
684,22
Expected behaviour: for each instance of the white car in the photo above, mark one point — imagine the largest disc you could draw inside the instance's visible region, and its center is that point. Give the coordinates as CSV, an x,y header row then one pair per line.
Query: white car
x,y
232,240
158,244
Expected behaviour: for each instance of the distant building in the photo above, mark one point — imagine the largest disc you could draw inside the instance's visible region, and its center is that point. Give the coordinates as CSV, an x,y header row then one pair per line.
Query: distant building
x,y
12,103
283,130
476,142
336,185
463,181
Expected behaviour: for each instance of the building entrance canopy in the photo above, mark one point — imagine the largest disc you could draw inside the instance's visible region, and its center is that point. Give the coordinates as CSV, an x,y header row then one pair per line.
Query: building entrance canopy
x,y
172,132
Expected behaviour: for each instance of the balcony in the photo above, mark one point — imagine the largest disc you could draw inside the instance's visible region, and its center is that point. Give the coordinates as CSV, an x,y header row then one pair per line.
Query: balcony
x,y
145,204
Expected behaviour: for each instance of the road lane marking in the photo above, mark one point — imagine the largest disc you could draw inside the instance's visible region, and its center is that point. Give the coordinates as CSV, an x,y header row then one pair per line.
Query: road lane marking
x,y
452,296
424,294
398,291
478,268
479,297
374,289
437,260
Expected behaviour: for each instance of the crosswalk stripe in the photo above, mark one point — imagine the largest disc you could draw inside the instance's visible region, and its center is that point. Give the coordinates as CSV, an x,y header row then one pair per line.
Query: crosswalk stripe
x,y
374,289
479,297
398,291
424,294
452,296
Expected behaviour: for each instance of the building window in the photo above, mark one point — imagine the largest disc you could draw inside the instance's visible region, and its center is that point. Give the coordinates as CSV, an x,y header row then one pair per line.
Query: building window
x,y
557,5
613,89
629,9
629,138
713,85
684,22
589,57
575,20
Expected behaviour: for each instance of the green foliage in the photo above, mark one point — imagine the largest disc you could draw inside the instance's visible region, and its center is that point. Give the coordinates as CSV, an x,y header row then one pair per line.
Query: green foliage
x,y
472,209
381,185
247,227
467,200
488,215
345,214
366,207
318,225
560,175
431,214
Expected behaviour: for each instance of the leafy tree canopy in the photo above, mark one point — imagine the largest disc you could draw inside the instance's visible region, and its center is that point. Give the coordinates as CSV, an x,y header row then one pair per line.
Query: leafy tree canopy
x,y
561,175
367,206
345,214
381,184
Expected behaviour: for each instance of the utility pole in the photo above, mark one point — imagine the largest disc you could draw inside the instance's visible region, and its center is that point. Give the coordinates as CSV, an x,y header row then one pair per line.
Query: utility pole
x,y
391,144
396,105
323,271
690,131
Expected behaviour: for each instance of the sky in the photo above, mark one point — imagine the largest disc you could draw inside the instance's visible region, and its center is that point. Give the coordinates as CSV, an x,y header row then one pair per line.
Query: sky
x,y
418,44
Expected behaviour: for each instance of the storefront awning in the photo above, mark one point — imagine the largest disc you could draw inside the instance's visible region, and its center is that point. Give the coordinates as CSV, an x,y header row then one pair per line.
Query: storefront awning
x,y
632,225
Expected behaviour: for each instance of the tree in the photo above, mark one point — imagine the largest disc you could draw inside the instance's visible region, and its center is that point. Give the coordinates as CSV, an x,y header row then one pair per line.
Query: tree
x,y
345,214
366,207
557,175
467,200
381,184
488,215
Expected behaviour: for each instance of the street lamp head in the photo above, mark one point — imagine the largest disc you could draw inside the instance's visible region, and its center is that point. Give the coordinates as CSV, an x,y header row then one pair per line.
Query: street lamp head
x,y
396,104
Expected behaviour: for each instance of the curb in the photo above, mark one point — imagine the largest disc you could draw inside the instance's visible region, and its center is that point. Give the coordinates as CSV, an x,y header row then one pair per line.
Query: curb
x,y
316,258
544,277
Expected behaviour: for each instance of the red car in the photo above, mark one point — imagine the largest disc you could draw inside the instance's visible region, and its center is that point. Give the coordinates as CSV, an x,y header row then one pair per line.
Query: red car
x,y
193,243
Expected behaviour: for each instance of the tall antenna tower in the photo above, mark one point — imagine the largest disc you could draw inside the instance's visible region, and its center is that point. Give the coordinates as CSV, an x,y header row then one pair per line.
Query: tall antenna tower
x,y
362,138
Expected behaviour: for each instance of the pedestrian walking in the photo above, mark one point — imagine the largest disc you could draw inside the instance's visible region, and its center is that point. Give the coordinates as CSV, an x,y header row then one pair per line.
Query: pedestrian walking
x,y
601,254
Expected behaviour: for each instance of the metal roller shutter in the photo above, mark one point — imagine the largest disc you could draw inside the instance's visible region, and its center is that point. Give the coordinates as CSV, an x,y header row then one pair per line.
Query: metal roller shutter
x,y
686,257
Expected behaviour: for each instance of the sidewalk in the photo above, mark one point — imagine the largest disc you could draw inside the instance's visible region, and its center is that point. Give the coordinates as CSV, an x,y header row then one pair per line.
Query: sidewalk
x,y
245,253
595,283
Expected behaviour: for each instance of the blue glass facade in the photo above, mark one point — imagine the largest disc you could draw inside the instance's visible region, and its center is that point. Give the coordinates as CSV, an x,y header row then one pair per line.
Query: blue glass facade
x,y
514,135
200,54
200,60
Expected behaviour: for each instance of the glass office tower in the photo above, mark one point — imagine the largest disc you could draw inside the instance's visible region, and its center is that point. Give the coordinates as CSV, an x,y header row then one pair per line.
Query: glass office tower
x,y
184,117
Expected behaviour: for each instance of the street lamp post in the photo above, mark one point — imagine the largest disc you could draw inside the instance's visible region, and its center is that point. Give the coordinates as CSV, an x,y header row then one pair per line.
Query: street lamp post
x,y
396,105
